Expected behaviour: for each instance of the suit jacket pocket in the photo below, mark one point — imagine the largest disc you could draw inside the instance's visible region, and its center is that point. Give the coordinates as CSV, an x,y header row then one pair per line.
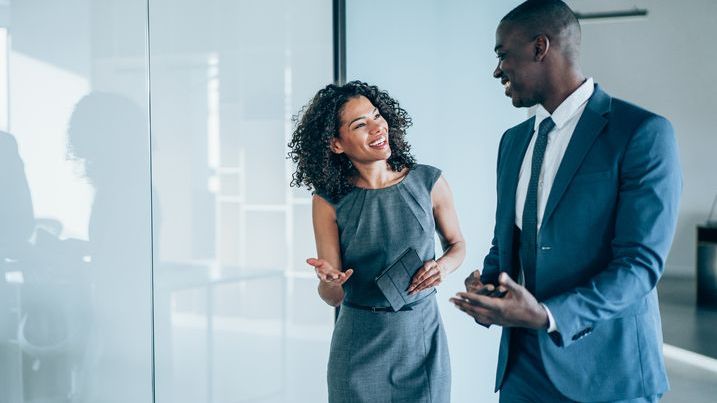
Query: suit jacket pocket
x,y
592,176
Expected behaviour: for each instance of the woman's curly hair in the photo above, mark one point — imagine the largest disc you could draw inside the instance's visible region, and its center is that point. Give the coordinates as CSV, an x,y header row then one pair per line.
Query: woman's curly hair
x,y
320,169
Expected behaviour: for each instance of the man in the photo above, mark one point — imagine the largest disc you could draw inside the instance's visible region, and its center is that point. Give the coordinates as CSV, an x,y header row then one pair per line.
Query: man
x,y
588,191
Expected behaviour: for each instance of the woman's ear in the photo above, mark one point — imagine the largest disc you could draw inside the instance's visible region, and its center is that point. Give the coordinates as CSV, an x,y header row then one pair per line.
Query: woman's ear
x,y
335,146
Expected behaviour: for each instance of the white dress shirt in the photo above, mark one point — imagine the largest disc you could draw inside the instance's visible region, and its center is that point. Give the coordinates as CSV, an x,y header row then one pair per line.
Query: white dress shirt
x,y
565,117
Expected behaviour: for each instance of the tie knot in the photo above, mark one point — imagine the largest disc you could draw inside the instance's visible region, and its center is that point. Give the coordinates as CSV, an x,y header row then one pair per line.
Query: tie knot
x,y
546,126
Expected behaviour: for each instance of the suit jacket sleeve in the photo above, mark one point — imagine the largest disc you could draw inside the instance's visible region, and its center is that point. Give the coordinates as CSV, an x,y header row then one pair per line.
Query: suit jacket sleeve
x,y
645,217
491,263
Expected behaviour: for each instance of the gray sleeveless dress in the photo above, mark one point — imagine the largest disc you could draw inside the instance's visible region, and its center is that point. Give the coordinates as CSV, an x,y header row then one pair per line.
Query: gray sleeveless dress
x,y
387,356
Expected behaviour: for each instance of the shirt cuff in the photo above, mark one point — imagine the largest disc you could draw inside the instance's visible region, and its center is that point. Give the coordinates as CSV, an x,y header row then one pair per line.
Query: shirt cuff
x,y
552,326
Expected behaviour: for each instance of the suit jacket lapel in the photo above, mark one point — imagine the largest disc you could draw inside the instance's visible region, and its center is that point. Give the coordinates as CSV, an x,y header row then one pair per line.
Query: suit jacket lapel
x,y
514,154
589,127
511,158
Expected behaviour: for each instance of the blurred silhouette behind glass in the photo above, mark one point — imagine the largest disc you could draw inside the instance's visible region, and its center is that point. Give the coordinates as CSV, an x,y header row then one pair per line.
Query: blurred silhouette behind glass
x,y
16,226
44,294
108,135
16,217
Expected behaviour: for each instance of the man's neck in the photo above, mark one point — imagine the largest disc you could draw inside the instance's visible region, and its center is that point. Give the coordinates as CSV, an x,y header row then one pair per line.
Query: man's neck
x,y
562,88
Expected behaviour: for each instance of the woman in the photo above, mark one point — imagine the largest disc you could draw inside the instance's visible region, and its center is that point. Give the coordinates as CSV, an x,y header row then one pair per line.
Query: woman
x,y
371,203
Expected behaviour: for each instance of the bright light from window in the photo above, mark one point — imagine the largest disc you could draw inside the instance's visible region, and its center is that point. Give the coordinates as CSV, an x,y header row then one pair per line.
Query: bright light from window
x,y
4,110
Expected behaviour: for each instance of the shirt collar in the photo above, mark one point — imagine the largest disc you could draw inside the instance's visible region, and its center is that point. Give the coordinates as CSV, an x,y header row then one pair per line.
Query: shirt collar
x,y
569,107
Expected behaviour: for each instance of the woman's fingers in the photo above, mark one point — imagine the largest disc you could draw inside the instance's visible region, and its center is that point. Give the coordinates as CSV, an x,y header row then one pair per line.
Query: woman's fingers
x,y
434,278
328,274
323,269
428,270
347,274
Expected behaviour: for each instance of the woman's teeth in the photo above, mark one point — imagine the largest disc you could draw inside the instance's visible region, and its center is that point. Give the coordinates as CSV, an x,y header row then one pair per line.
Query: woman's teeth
x,y
378,143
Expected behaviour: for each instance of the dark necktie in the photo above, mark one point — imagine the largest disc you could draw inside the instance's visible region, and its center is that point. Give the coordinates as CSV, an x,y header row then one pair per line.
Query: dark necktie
x,y
529,232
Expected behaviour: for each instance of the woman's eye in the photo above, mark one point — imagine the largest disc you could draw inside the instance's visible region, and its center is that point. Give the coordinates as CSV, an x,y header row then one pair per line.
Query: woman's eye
x,y
377,116
360,125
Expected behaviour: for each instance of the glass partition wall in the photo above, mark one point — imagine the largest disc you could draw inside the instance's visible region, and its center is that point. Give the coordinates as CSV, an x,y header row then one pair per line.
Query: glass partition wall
x,y
150,247
236,309
75,222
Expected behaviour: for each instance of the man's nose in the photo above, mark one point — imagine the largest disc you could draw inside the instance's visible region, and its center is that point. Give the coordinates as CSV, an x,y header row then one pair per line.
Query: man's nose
x,y
497,73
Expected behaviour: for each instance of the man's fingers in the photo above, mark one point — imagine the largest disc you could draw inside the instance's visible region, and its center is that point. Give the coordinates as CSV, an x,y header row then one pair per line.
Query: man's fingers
x,y
473,277
507,283
486,289
472,282
473,310
479,300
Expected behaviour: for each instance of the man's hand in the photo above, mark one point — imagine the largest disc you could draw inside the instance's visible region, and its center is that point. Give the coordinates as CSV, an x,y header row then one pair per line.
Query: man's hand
x,y
473,284
517,308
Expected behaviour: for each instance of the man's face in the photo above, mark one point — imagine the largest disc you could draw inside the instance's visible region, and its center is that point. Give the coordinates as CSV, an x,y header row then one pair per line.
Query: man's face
x,y
517,69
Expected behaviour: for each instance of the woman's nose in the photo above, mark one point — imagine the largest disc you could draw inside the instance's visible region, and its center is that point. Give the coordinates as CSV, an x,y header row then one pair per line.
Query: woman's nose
x,y
374,127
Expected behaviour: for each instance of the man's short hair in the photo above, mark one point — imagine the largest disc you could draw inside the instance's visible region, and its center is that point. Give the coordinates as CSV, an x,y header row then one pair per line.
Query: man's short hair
x,y
550,17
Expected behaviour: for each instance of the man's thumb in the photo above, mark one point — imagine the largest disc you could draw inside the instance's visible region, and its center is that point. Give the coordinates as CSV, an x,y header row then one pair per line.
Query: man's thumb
x,y
507,282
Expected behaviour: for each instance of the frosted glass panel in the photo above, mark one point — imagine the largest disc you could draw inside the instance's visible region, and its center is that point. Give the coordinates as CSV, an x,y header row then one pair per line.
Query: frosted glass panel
x,y
75,232
237,317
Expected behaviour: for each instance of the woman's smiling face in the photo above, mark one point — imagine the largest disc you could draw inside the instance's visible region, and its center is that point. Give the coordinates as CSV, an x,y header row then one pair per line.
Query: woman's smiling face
x,y
363,133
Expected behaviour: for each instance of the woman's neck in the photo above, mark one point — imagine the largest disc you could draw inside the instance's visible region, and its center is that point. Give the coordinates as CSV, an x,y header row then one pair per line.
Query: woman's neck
x,y
376,175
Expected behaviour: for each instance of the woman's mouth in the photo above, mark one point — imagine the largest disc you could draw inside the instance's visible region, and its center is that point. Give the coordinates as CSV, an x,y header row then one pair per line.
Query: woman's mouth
x,y
379,143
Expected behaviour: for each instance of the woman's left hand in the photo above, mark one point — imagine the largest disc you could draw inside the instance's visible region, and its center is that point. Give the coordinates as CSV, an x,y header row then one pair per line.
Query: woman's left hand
x,y
430,275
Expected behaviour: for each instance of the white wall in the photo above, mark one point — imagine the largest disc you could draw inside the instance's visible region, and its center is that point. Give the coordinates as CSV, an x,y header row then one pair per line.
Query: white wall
x,y
437,59
666,63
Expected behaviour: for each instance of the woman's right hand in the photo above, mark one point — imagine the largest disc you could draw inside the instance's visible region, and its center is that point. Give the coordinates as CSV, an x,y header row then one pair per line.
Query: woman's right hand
x,y
327,274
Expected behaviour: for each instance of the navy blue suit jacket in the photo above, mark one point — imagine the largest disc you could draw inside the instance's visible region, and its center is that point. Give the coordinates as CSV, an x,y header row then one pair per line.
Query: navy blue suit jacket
x,y
606,231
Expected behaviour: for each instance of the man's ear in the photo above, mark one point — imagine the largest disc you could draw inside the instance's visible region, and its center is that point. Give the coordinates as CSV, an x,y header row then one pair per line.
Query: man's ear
x,y
541,46
335,146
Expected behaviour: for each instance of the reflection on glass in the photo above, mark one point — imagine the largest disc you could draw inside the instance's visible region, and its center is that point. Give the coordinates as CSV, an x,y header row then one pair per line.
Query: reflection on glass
x,y
106,131
235,305
3,80
75,230
221,291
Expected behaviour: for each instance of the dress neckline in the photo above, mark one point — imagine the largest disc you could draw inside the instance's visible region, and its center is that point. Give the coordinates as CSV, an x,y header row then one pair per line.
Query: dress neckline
x,y
389,186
